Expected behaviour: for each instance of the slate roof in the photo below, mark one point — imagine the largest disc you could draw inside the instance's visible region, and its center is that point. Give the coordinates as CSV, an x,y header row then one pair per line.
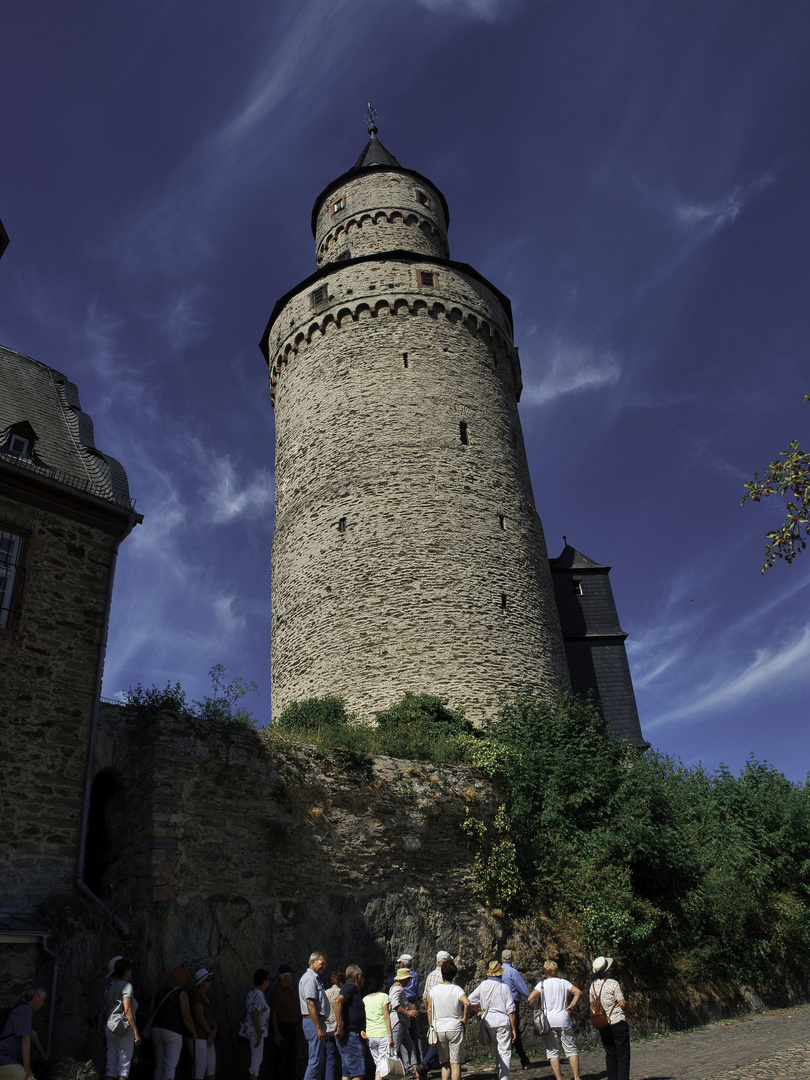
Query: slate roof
x,y
65,449
375,154
571,559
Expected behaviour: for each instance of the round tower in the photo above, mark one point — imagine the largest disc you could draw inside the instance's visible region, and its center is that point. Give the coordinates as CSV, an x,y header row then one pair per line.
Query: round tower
x,y
408,554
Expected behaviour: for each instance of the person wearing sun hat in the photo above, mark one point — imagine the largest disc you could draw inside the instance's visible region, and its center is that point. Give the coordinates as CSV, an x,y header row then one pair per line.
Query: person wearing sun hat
x,y
493,999
616,1036
201,1047
402,1014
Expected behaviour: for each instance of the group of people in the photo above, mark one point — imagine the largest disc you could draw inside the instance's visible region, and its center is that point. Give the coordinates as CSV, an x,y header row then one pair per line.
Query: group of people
x,y
340,1022
337,1021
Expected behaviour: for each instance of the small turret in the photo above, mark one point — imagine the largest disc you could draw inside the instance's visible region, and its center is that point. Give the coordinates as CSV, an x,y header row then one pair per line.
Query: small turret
x,y
376,207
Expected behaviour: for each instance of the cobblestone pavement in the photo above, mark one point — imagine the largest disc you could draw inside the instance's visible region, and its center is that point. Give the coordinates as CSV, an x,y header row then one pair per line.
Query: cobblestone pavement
x,y
772,1046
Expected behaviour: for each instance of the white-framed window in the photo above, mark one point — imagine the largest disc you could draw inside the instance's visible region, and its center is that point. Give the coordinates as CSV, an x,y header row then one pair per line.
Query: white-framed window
x,y
18,446
338,204
11,551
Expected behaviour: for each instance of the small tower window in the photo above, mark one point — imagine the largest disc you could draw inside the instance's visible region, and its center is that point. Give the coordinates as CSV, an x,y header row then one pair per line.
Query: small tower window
x,y
342,525
405,359
428,279
503,601
463,433
343,256
319,296
576,584
423,198
338,205
502,521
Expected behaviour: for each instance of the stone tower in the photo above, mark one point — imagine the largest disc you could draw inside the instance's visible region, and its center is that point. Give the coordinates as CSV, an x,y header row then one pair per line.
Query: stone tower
x,y
408,553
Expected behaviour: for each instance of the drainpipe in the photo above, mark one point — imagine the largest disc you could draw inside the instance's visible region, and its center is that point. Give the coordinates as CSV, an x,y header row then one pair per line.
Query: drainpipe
x,y
123,929
52,994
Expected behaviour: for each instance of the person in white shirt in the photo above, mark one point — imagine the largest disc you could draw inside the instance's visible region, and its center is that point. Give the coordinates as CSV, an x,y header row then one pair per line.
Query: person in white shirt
x,y
558,998
493,999
447,1010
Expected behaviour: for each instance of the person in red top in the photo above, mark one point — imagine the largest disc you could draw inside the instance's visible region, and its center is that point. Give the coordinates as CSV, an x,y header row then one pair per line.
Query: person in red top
x,y
284,1019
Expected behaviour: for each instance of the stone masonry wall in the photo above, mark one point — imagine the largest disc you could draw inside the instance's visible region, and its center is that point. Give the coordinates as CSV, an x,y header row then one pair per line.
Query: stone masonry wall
x,y
259,853
48,666
404,557
380,211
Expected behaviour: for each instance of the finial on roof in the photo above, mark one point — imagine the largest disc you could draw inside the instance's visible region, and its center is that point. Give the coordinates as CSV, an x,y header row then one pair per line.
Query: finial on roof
x,y
371,116
565,539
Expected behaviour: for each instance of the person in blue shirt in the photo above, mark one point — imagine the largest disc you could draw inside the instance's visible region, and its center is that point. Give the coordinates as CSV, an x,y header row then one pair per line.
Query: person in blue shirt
x,y
519,989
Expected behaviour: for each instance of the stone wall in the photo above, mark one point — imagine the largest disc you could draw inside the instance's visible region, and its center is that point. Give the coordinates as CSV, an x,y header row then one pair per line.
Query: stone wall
x,y
237,853
377,211
408,554
48,664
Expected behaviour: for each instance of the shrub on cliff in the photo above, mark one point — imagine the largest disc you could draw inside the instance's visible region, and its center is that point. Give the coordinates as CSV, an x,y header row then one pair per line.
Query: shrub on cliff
x,y
314,715
631,853
421,726
220,707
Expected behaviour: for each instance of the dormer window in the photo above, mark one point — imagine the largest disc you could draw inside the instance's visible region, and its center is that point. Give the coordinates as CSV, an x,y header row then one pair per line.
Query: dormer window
x,y
428,279
423,198
19,440
18,446
338,205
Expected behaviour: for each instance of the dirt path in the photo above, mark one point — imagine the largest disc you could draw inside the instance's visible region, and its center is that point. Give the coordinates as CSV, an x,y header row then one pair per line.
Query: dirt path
x,y
774,1045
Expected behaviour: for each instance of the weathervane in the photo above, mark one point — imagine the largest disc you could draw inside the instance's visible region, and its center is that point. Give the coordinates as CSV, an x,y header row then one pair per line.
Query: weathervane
x,y
371,116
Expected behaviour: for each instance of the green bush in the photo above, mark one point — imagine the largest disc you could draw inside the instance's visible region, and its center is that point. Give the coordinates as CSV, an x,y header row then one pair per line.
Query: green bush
x,y
632,854
421,726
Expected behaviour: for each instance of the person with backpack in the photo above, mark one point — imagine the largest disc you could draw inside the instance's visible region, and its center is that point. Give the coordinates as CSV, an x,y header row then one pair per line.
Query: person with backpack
x,y
17,1034
607,1005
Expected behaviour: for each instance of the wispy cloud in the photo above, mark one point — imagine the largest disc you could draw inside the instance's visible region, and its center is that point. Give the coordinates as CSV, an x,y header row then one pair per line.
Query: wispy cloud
x,y
229,497
490,11
707,218
787,661
181,322
558,367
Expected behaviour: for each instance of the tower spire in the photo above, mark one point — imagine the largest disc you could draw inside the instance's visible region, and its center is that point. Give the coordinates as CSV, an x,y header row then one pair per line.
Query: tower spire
x,y
374,152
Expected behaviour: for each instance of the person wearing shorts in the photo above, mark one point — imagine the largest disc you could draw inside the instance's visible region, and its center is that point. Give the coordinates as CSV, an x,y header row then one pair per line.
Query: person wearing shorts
x,y
559,997
447,1009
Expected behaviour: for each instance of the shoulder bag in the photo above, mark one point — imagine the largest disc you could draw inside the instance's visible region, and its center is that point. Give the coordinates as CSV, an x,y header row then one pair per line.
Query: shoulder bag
x,y
540,1019
484,1030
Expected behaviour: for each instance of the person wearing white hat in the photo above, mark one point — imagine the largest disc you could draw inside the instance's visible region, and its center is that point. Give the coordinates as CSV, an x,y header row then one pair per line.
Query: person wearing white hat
x,y
429,1052
616,1035
201,1047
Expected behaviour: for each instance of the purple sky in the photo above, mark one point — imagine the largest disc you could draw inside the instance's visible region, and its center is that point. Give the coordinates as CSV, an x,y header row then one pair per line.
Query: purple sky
x,y
633,175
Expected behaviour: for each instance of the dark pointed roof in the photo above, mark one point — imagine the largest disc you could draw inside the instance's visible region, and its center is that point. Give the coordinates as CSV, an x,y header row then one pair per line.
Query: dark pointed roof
x,y
375,153
571,559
